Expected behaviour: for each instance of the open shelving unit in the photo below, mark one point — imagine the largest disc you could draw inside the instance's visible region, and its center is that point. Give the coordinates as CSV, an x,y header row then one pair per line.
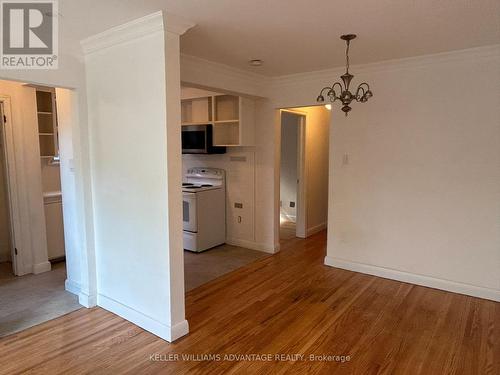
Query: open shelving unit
x,y
231,116
47,123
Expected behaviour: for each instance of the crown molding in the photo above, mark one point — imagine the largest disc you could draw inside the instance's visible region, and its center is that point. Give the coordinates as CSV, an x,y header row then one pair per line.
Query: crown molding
x,y
192,65
138,28
471,54
177,24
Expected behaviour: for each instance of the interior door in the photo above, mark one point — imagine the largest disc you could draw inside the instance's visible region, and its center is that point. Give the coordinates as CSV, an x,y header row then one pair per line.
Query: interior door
x,y
6,189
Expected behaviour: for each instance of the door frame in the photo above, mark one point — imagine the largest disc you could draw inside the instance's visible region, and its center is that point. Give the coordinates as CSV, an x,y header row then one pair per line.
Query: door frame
x,y
301,210
12,187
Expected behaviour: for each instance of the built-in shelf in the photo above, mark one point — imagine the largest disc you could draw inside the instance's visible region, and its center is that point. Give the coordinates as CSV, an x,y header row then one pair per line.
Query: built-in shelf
x,y
47,122
196,123
226,121
232,118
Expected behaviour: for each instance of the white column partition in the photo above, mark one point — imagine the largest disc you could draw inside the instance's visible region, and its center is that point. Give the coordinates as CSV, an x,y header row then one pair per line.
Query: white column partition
x,y
133,84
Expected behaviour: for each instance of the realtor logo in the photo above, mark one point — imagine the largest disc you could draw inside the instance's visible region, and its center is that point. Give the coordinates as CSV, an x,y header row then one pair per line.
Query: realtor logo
x,y
29,34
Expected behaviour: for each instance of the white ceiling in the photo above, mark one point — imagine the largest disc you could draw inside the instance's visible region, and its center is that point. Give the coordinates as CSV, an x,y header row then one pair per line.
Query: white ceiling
x,y
294,36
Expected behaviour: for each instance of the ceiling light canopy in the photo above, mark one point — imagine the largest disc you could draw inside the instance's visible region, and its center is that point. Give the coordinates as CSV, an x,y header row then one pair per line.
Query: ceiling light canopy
x,y
362,93
255,62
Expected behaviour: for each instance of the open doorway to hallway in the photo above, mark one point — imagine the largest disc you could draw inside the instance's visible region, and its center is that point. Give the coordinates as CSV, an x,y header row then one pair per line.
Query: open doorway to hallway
x,y
32,242
303,171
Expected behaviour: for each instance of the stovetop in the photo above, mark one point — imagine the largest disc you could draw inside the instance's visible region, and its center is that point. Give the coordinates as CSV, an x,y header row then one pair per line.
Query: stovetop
x,y
190,187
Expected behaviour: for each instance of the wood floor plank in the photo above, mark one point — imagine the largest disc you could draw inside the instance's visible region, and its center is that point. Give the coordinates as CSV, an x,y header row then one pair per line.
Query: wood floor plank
x,y
286,304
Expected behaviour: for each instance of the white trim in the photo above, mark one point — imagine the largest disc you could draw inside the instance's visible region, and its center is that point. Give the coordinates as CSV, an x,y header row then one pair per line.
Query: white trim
x,y
176,24
166,332
41,267
267,248
87,300
485,52
141,27
72,287
428,281
14,191
316,229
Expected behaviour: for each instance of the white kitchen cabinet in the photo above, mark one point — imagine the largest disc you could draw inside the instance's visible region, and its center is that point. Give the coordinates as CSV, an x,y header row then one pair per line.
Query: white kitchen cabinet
x,y
54,224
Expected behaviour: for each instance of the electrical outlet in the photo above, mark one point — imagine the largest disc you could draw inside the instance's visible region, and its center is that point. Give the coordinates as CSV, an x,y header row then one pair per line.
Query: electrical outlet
x,y
292,204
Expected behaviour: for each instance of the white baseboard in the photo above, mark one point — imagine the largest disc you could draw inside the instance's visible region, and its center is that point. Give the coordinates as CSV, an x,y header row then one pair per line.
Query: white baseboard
x,y
431,282
72,287
316,229
164,331
41,267
252,245
87,300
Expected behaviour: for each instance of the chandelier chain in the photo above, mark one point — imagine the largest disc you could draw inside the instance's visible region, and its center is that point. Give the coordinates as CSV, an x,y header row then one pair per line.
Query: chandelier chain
x,y
347,55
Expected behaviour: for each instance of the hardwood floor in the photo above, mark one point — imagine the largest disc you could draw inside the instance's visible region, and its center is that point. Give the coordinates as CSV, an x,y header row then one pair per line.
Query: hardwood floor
x,y
284,304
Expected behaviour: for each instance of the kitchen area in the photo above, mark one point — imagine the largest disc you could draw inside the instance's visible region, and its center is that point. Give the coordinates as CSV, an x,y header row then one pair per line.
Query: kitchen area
x,y
218,164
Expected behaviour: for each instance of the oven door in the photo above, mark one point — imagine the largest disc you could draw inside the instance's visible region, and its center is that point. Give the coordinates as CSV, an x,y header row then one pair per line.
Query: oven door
x,y
189,216
195,139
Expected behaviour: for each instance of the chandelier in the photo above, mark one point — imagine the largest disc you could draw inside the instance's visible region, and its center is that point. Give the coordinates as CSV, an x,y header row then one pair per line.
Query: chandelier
x,y
363,92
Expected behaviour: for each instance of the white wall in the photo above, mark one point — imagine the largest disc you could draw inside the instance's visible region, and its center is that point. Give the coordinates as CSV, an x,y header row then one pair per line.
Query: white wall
x,y
31,243
420,195
288,166
67,117
134,112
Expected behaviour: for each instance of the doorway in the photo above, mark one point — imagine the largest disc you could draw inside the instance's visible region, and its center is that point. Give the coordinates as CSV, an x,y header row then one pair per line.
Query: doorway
x,y
303,172
292,175
33,273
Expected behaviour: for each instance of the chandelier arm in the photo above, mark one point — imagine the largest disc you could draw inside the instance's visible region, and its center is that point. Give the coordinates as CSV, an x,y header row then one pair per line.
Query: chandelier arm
x,y
358,96
323,89
341,88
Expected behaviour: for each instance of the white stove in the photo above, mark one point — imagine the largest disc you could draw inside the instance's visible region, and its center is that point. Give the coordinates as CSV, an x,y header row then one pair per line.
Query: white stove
x,y
204,208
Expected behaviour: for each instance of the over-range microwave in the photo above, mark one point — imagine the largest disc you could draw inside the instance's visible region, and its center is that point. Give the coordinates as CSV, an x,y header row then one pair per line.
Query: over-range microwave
x,y
198,139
